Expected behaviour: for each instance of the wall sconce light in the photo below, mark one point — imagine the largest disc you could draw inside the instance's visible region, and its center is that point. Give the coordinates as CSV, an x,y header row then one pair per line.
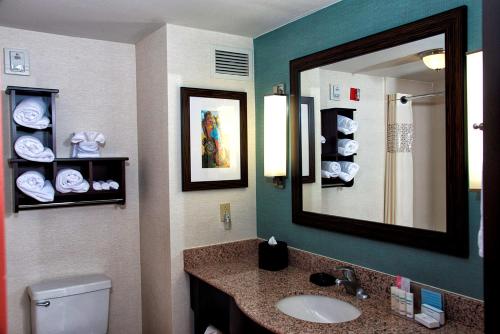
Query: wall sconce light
x,y
475,118
275,130
434,59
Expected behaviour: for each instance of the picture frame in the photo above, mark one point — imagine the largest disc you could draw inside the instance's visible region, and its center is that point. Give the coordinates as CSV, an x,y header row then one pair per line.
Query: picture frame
x,y
213,139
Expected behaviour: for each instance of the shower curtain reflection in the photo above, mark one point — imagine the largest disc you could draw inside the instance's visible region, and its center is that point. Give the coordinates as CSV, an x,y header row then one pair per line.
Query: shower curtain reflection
x,y
398,208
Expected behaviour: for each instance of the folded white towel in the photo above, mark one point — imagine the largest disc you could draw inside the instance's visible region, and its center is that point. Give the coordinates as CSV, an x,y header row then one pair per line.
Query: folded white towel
x,y
331,167
31,113
70,180
347,147
104,185
349,170
113,184
33,184
96,186
323,140
30,148
346,125
86,144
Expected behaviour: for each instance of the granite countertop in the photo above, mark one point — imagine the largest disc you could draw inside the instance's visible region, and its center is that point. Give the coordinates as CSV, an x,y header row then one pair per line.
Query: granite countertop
x,y
256,292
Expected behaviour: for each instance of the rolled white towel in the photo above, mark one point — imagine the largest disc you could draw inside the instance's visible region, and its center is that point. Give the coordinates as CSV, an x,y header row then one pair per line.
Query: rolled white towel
x,y
346,177
331,166
347,147
104,185
31,113
346,125
30,148
86,144
70,180
349,167
323,140
33,184
113,184
349,170
96,186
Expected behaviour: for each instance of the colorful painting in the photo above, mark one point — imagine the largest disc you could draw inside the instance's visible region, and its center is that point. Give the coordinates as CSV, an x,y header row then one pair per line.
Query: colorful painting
x,y
214,139
214,153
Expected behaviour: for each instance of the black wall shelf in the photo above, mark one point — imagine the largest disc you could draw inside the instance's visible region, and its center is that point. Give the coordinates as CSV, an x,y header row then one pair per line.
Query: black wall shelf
x,y
92,169
329,150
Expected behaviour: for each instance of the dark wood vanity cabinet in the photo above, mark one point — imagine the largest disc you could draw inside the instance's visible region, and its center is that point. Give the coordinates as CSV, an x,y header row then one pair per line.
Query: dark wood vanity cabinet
x,y
214,307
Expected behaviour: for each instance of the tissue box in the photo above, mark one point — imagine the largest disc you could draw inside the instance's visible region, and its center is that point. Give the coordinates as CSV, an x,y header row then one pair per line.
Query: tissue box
x,y
273,257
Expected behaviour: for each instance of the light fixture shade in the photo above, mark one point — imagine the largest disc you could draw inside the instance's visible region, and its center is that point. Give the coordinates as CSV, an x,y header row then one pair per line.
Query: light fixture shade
x,y
475,116
275,135
434,59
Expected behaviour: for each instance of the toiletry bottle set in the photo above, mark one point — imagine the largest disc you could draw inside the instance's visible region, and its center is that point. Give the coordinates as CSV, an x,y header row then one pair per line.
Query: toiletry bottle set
x,y
432,314
402,298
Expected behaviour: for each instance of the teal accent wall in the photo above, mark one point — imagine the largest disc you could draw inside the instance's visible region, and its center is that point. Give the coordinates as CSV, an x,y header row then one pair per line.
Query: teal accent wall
x,y
340,23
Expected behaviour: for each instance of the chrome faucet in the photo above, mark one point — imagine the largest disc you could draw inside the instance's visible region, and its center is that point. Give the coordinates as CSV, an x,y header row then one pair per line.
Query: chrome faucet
x,y
350,282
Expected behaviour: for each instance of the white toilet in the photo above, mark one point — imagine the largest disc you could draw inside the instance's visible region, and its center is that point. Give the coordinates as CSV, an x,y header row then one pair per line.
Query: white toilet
x,y
73,305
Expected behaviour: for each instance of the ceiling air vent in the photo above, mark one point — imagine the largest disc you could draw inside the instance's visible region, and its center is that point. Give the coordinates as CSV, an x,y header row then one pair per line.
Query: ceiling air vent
x,y
232,63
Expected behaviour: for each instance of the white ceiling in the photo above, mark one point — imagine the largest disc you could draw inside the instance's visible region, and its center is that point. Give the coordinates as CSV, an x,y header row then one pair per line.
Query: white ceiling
x,y
398,62
129,20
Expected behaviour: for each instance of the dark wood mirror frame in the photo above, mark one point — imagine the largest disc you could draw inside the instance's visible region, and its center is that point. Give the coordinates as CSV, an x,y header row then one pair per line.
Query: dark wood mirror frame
x,y
455,240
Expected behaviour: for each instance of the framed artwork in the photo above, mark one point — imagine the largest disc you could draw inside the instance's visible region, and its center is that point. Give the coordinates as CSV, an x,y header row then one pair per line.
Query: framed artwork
x,y
307,136
214,139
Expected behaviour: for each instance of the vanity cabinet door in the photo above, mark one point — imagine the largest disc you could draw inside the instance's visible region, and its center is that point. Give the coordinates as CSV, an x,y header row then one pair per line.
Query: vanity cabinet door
x,y
213,307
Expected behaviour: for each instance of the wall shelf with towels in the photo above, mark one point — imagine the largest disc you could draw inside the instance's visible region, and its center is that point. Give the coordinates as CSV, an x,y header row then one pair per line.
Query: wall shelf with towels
x,y
92,169
329,150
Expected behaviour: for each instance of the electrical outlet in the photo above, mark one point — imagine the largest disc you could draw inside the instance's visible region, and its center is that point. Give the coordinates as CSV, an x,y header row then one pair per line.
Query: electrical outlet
x,y
224,207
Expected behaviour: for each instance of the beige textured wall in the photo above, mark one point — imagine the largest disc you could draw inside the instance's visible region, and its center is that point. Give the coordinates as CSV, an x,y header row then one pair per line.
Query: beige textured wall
x,y
152,120
97,91
194,216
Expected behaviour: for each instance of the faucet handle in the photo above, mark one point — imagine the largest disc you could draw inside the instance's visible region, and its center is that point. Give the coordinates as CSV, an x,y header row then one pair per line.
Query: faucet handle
x,y
347,271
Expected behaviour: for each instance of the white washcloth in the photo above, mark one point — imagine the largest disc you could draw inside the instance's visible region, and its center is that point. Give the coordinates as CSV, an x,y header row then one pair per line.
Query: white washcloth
x,y
347,147
96,186
33,184
332,167
349,170
325,174
323,140
212,330
113,184
104,185
346,125
30,148
31,113
70,180
86,144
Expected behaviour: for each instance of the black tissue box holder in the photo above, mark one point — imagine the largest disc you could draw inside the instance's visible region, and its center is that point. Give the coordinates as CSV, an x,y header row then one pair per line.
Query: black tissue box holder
x,y
273,257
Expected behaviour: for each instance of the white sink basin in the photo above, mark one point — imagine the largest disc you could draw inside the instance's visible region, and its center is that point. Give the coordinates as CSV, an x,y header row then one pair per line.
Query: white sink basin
x,y
320,309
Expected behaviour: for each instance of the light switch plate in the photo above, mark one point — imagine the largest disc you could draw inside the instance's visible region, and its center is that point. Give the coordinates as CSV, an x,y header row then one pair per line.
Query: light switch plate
x,y
16,61
224,207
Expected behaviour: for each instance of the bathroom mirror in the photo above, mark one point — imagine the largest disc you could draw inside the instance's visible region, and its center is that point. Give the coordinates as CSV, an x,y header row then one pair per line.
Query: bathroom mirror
x,y
385,141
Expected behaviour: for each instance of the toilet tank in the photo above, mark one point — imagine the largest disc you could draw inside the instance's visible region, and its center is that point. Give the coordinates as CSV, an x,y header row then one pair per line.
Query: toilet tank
x,y
76,305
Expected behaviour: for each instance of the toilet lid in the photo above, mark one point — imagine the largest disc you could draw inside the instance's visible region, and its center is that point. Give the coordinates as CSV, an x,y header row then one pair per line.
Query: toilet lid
x,y
68,286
